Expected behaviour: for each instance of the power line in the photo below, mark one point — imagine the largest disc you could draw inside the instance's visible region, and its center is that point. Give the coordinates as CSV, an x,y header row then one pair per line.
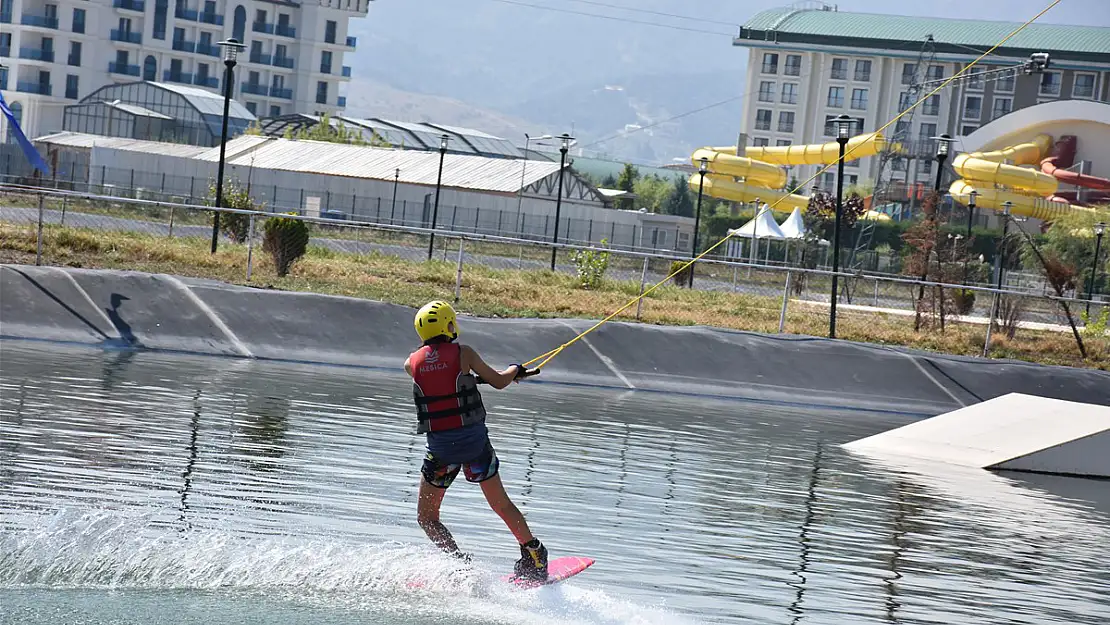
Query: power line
x,y
616,19
650,12
669,119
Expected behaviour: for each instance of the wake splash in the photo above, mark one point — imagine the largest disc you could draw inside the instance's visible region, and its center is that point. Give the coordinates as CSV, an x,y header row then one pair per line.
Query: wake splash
x,y
131,550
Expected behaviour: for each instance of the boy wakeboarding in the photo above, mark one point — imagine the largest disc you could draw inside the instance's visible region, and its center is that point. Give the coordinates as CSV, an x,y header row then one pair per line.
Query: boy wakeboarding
x,y
450,412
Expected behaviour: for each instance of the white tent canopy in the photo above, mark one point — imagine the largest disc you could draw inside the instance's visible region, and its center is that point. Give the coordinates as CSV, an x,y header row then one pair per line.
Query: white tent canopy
x,y
763,226
794,227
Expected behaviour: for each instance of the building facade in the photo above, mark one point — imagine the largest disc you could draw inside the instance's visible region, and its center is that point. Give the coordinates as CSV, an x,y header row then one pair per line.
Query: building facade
x,y
808,65
56,52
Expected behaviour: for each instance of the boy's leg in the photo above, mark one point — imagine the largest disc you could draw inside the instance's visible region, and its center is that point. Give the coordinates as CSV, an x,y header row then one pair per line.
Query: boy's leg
x,y
427,515
499,501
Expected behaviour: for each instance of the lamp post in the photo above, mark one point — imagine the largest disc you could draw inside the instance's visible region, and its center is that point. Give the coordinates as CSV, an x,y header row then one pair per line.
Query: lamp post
x,y
393,206
944,145
1006,206
843,123
439,180
231,53
559,198
703,168
970,217
1100,227
523,168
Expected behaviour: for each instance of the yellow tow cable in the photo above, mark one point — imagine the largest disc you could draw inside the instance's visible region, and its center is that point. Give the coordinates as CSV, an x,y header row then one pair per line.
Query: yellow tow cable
x,y
547,357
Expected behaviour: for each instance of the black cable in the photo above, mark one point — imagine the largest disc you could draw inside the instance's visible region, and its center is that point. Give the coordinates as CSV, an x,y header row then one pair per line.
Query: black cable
x,y
610,17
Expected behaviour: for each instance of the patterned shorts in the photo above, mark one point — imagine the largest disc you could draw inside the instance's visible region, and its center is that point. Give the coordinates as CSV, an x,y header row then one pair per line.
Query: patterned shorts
x,y
440,475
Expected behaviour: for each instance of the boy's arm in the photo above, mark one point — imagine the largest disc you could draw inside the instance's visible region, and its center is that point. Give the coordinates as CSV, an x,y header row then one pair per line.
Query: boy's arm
x,y
496,379
408,367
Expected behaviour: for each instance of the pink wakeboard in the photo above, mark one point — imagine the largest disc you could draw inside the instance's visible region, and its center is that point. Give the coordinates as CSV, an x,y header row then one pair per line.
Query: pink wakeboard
x,y
557,570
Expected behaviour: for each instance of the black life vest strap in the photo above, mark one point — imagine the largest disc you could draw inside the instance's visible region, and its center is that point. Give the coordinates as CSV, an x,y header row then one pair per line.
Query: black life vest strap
x,y
470,396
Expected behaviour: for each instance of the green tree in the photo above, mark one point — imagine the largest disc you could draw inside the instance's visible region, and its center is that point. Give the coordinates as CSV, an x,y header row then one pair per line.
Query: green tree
x,y
626,181
236,226
324,130
1071,242
651,192
609,182
680,201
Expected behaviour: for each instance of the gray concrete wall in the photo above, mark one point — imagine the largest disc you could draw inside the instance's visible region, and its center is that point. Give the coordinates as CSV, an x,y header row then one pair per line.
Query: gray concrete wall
x,y
133,310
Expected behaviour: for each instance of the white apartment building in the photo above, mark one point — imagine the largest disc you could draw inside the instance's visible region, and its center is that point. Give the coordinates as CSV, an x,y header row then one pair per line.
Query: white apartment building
x,y
56,52
809,63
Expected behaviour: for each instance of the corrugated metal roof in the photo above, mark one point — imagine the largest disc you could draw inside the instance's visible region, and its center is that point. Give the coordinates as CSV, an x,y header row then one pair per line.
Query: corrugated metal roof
x,y
461,171
82,140
982,34
136,110
207,102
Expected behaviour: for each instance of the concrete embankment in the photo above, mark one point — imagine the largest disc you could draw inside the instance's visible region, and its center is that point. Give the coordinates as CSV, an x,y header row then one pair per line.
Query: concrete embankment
x,y
117,309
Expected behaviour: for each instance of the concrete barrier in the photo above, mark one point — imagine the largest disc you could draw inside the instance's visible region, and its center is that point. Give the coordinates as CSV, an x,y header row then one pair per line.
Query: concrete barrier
x,y
168,313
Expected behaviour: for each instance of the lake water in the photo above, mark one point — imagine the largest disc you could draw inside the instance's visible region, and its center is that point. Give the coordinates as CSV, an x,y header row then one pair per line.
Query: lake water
x,y
147,488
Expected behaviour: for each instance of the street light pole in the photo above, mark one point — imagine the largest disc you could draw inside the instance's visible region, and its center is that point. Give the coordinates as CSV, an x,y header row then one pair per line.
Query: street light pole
x,y
393,206
843,123
1100,227
559,198
439,180
231,52
523,168
970,217
1006,206
944,145
702,169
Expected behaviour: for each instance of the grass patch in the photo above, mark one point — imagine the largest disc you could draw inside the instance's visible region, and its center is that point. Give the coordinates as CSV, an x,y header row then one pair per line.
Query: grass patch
x,y
515,293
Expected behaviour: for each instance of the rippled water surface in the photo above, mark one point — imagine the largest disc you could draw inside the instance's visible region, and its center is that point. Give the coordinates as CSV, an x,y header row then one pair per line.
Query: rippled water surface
x,y
142,488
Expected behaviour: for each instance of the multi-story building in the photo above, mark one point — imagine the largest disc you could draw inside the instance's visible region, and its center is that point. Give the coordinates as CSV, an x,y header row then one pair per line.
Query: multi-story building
x,y
59,51
810,63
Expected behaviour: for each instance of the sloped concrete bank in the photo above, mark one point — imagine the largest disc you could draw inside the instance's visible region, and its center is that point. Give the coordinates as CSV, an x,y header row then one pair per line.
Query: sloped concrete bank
x,y
132,310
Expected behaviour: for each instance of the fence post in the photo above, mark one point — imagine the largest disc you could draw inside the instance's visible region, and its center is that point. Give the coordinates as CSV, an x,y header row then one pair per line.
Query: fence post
x,y
162,191
785,299
42,209
173,210
133,194
477,213
734,267
458,272
990,325
65,202
876,292
250,247
643,281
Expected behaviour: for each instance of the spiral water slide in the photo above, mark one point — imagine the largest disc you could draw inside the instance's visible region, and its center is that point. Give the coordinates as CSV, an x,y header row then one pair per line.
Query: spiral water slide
x,y
1024,175
761,169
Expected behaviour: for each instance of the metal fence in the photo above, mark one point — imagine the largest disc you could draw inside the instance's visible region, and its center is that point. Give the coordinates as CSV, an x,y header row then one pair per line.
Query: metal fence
x,y
767,297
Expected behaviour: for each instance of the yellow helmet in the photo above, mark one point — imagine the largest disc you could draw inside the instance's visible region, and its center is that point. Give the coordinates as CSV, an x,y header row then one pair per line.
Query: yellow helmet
x,y
435,319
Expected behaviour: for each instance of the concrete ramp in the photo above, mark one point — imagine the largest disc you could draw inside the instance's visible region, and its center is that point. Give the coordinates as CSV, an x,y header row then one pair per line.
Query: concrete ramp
x,y
1015,432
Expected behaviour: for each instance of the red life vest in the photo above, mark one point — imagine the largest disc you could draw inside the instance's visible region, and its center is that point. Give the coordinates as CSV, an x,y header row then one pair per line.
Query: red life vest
x,y
445,397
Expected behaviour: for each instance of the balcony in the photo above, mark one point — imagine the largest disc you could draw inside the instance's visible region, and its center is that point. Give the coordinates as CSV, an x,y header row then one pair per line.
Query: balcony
x,y
184,46
33,87
74,60
286,62
206,81
179,77
123,68
39,20
126,36
285,30
863,77
130,5
346,71
352,42
37,54
212,18
188,15
838,74
284,94
254,89
208,49
341,101
262,59
263,27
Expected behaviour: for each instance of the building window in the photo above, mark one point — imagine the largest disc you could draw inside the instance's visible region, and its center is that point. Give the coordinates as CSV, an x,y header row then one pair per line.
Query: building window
x,y
904,101
859,99
275,111
239,24
1084,86
836,97
760,142
967,129
975,79
71,87
1002,106
973,107
786,121
252,107
259,17
75,53
79,20
175,69
766,91
936,72
789,93
1050,83
931,106
325,62
793,65
280,52
839,69
329,31
902,128
161,11
1004,84
863,71
782,143
926,166
5,44
828,181
202,74
17,115
770,63
321,92
908,70
927,131
762,119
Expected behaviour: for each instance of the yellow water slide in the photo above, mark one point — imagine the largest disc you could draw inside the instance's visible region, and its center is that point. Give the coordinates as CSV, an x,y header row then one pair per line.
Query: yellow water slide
x,y
1023,184
761,169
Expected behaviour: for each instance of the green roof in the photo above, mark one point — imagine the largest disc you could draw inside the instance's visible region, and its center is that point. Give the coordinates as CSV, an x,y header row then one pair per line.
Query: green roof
x,y
1079,43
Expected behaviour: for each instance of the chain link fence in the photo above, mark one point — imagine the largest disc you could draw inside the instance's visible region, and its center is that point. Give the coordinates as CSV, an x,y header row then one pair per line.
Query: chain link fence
x,y
62,227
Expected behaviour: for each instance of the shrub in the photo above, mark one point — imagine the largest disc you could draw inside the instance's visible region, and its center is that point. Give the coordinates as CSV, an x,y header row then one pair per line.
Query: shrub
x,y
590,266
682,278
235,226
286,240
964,300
